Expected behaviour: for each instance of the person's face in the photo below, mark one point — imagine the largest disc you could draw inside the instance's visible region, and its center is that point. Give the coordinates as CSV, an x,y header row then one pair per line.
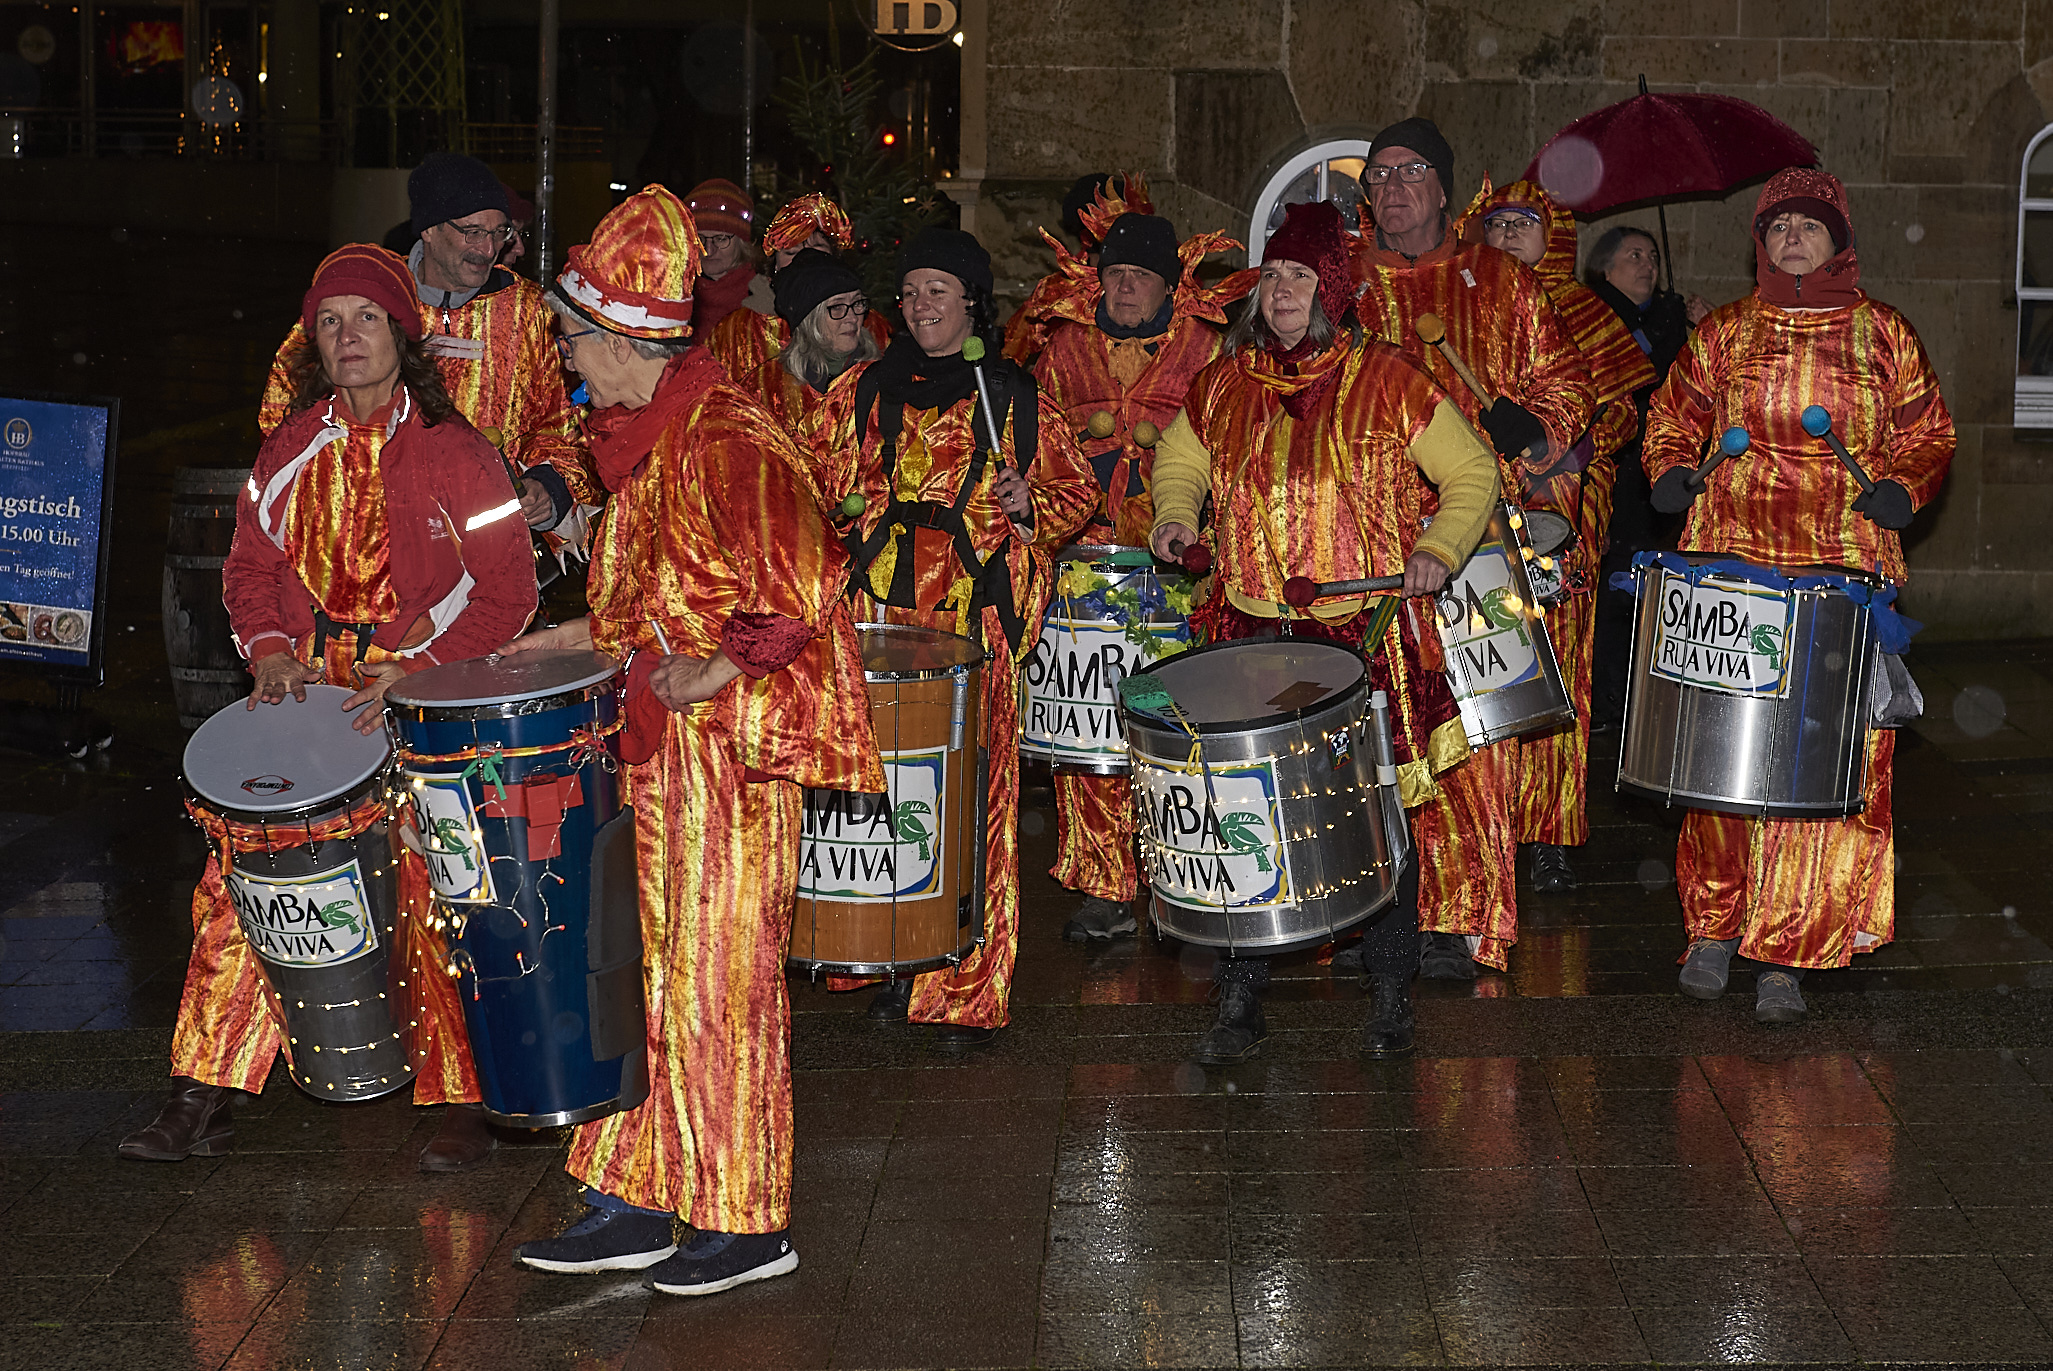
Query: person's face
x,y
597,356
936,310
460,254
1285,294
819,242
721,253
355,339
1402,206
844,333
1518,234
1798,244
1133,295
516,247
1634,268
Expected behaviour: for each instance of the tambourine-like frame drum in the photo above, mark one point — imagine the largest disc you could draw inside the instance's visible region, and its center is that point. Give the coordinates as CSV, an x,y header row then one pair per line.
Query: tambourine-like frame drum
x,y
1500,662
1264,823
1549,538
1069,683
516,800
1745,697
893,884
311,875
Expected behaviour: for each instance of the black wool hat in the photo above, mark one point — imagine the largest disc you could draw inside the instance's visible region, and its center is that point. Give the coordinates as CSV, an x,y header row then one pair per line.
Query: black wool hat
x,y
950,250
449,185
807,281
1143,240
1423,137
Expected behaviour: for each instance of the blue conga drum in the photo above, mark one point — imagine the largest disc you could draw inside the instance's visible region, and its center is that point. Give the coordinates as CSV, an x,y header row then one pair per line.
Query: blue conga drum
x,y
515,792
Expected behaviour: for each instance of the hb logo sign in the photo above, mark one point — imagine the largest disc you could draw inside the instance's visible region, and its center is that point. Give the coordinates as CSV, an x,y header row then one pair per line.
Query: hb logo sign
x,y
914,18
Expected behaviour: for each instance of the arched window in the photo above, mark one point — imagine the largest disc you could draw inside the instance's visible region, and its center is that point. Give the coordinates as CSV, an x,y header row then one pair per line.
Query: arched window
x,y
1330,169
2033,399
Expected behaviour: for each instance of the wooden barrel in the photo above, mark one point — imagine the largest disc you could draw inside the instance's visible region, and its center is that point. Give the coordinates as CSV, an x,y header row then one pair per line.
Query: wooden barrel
x,y
207,673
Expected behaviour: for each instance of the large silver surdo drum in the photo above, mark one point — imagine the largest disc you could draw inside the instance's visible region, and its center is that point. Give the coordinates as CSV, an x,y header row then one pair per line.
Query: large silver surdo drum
x,y
1749,686
1266,823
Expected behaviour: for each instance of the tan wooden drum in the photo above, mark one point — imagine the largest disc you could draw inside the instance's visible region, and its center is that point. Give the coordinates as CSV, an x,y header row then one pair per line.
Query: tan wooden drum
x,y
893,884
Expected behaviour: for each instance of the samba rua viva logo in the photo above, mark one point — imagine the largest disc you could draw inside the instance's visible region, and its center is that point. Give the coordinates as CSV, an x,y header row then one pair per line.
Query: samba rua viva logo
x,y
1729,638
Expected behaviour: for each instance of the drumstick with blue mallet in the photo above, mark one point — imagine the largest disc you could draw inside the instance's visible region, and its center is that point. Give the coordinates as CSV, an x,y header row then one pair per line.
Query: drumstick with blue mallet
x,y
1817,421
1732,443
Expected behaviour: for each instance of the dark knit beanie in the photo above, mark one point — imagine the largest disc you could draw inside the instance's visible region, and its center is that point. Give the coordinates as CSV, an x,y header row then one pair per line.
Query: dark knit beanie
x,y
1422,136
449,185
1078,200
807,281
1143,240
950,250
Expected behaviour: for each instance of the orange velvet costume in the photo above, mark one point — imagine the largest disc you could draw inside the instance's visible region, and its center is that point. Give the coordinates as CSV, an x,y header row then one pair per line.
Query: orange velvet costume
x,y
1551,804
1083,370
934,453
1799,892
1500,321
712,521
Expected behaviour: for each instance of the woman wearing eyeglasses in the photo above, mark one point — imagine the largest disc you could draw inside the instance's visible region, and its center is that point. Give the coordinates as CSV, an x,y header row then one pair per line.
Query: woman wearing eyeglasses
x,y
757,332
820,303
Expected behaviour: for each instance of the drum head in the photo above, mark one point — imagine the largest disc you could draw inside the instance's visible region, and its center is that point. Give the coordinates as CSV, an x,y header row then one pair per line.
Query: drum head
x,y
282,757
902,652
1547,531
502,680
1238,687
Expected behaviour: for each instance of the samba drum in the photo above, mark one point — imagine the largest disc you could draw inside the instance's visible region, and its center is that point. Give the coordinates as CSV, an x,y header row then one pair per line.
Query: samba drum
x,y
293,798
1112,612
516,810
1266,823
1749,688
893,884
1500,662
1549,538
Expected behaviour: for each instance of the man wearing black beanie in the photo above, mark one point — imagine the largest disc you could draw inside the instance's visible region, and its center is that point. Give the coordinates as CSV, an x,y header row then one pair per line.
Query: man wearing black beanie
x,y
1541,401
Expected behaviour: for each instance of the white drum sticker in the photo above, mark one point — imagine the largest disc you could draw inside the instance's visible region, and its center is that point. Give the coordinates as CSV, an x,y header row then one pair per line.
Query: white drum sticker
x,y
447,822
1722,636
1219,850
871,849
1070,683
1485,628
318,920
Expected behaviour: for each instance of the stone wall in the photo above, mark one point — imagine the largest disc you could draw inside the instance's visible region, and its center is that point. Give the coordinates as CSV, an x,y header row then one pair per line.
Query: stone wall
x,y
1923,107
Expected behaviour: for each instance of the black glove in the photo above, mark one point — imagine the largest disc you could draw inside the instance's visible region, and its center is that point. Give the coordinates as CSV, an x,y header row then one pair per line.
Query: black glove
x,y
1888,504
1673,493
1513,428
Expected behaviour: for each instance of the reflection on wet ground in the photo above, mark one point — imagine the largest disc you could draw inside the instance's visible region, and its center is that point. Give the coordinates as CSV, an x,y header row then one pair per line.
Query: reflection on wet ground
x,y
1579,1167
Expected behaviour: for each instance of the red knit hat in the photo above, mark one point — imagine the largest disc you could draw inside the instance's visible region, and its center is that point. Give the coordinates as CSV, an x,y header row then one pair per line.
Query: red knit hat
x,y
719,206
367,270
1806,190
795,224
1315,235
635,276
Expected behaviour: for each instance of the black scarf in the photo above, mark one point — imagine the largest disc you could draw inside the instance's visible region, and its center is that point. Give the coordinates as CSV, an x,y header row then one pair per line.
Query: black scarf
x,y
1146,328
905,375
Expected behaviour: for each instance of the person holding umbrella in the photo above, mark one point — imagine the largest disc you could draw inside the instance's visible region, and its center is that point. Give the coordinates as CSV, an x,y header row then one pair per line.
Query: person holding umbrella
x,y
1797,894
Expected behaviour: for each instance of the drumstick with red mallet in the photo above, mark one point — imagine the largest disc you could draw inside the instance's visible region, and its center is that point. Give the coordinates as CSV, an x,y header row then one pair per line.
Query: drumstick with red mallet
x,y
1300,591
1817,421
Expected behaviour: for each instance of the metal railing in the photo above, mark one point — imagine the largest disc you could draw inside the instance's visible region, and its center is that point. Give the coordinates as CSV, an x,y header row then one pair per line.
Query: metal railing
x,y
155,134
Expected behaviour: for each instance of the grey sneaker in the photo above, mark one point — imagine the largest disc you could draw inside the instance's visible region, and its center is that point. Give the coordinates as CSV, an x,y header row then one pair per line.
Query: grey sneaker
x,y
1100,921
1706,969
1777,999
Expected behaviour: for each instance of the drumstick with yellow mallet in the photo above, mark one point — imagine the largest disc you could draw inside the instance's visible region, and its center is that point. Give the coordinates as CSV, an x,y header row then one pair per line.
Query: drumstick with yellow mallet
x,y
1433,333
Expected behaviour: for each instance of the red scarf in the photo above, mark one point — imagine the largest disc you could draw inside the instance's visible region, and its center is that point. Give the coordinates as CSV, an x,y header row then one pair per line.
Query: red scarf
x,y
621,438
712,301
1835,285
1300,377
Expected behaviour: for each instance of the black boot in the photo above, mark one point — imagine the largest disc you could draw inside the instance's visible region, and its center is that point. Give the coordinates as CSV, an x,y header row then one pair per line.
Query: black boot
x,y
892,1002
196,1122
1239,1030
1389,1034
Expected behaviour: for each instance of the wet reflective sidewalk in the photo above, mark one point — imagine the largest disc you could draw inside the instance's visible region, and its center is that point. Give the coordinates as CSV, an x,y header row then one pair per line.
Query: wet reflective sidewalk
x,y
1580,1166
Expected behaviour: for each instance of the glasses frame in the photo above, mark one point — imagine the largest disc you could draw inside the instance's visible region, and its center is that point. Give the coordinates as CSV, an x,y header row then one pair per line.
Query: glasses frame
x,y
504,234
1409,173
564,340
840,312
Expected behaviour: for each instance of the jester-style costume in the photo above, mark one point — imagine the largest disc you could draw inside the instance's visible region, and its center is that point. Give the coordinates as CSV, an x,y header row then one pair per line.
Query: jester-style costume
x,y
713,543
1498,318
754,333
496,351
1049,302
914,443
1799,893
1551,803
1135,376
357,540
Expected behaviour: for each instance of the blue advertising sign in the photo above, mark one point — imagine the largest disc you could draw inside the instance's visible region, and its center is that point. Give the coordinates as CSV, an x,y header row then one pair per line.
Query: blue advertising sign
x,y
56,488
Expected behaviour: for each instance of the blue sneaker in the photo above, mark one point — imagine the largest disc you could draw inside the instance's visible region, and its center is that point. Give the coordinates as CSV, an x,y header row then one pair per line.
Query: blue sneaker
x,y
712,1262
603,1240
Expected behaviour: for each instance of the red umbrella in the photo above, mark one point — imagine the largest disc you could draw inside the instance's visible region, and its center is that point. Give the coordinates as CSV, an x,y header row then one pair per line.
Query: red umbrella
x,y
1665,147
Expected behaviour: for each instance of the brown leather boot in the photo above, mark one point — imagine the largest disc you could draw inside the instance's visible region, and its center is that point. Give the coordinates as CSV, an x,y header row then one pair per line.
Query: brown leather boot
x,y
463,1141
194,1123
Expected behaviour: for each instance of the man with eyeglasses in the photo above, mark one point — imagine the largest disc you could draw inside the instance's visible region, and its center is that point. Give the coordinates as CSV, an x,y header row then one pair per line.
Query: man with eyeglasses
x,y
1499,321
491,337
493,340
1123,345
756,333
